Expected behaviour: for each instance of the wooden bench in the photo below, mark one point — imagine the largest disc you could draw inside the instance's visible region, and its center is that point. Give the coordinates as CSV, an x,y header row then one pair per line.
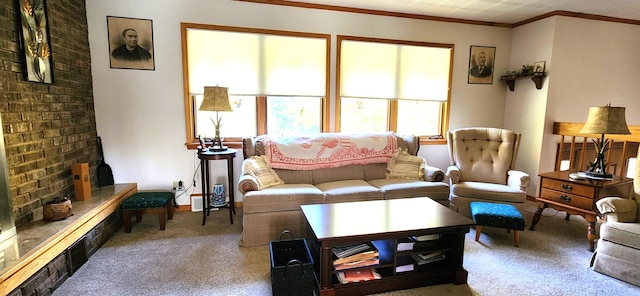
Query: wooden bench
x,y
162,202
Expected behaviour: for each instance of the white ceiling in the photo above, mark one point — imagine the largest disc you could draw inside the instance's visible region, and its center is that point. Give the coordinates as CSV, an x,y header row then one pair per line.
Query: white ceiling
x,y
500,11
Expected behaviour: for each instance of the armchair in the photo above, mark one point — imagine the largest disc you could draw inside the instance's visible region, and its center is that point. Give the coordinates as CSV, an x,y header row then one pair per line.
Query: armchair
x,y
482,162
618,248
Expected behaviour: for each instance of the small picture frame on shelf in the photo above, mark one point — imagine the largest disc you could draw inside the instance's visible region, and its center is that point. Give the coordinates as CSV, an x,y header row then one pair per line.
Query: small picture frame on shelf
x,y
538,67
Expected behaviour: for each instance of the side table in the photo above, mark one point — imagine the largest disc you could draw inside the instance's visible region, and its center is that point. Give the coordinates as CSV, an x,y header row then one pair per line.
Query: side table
x,y
205,157
577,197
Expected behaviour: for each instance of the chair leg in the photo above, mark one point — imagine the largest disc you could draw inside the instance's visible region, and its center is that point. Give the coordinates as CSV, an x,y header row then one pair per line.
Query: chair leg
x,y
161,217
126,216
516,238
478,231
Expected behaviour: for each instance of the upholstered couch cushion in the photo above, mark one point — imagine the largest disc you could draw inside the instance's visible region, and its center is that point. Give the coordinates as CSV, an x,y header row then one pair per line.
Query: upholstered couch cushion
x,y
257,167
627,234
349,190
284,197
351,172
295,177
406,166
403,188
494,192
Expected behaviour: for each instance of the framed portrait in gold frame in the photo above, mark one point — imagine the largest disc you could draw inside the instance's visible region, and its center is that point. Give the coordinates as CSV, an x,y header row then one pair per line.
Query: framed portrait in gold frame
x,y
481,63
130,43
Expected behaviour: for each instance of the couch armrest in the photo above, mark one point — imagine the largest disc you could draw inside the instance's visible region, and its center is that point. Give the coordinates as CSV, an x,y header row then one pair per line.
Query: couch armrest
x,y
617,209
247,183
453,173
433,174
518,179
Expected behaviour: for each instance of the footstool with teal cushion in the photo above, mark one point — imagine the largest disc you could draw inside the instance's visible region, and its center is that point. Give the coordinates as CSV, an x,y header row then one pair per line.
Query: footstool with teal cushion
x,y
141,201
497,215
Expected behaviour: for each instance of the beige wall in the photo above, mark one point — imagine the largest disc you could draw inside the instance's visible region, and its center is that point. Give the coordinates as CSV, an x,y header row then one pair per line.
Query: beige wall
x,y
526,105
140,114
590,63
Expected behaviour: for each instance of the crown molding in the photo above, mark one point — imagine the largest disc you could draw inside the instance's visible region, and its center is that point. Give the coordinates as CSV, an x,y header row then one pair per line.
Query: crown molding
x,y
444,19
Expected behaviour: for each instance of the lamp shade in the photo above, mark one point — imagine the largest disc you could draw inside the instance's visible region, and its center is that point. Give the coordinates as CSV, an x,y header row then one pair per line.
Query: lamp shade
x,y
606,120
215,99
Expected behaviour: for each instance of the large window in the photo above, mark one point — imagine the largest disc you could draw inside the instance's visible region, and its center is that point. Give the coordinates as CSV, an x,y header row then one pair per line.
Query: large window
x,y
393,85
277,80
278,83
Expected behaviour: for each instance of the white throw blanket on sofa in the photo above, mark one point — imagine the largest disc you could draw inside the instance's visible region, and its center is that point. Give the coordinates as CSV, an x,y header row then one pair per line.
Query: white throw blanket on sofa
x,y
329,150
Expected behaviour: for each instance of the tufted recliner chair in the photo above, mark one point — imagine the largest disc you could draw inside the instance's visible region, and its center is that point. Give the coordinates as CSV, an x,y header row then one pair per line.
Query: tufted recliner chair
x,y
618,248
482,168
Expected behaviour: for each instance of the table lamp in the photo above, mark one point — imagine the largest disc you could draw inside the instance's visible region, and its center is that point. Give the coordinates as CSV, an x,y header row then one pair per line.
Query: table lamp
x,y
603,120
216,99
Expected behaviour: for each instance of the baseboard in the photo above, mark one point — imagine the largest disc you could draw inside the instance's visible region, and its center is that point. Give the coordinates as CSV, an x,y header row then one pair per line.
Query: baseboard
x,y
196,204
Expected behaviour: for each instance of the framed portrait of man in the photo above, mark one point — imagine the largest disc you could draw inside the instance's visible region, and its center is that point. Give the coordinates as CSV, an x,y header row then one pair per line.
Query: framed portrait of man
x,y
130,43
481,63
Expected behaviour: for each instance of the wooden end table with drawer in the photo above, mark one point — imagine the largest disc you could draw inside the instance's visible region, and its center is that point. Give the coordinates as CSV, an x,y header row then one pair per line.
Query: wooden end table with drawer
x,y
577,197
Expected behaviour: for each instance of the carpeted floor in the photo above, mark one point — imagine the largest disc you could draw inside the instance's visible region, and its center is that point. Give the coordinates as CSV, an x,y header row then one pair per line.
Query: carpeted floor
x,y
190,259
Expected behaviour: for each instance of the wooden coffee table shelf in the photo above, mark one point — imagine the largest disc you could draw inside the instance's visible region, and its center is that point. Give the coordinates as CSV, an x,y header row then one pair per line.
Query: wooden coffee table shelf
x,y
385,223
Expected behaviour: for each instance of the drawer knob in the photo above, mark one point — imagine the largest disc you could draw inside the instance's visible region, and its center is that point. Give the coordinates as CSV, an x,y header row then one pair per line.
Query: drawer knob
x,y
565,198
566,187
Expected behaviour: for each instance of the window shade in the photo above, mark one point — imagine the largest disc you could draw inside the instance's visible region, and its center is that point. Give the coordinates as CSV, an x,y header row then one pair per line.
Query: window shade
x,y
394,71
256,64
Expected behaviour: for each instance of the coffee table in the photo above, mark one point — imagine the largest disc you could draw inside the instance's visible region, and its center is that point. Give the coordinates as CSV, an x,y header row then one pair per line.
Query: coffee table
x,y
386,223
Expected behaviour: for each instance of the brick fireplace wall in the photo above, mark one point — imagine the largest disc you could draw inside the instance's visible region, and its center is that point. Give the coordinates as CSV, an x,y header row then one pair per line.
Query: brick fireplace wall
x,y
47,127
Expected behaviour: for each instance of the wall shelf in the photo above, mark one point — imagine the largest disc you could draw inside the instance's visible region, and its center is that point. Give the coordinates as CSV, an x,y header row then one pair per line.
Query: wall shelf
x,y
537,78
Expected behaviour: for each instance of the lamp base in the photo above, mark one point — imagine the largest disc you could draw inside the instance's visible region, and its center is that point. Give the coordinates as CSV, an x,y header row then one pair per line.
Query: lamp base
x,y
218,149
597,176
217,146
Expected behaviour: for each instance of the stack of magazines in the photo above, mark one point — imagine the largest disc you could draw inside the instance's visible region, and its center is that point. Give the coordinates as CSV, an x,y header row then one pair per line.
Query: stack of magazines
x,y
425,258
358,275
356,255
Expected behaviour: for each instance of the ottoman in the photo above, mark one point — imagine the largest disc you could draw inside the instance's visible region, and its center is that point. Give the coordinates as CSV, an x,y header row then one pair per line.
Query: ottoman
x,y
497,215
141,201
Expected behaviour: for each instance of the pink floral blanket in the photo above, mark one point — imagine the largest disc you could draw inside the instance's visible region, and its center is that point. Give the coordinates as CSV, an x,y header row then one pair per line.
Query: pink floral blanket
x,y
329,150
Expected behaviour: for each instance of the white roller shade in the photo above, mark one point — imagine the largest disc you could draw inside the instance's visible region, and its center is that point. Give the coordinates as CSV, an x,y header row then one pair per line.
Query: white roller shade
x,y
256,64
394,71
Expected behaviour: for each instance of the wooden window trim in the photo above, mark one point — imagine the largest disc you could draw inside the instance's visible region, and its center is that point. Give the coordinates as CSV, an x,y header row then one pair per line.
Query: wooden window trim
x,y
191,141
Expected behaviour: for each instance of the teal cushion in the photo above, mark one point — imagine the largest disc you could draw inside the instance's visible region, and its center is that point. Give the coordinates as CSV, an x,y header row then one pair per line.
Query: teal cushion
x,y
147,200
496,215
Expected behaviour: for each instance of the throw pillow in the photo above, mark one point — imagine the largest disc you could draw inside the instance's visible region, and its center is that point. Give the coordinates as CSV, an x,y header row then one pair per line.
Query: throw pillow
x,y
258,167
406,166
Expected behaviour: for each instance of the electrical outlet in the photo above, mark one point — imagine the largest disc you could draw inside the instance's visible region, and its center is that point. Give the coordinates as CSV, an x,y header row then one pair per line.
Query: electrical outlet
x,y
178,185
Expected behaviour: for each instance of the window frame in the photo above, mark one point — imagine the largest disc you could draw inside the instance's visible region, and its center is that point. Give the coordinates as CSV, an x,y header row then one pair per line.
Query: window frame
x,y
261,101
393,104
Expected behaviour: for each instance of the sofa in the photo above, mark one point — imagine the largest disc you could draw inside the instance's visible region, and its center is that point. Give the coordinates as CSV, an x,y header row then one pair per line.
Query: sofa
x,y
617,251
274,189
